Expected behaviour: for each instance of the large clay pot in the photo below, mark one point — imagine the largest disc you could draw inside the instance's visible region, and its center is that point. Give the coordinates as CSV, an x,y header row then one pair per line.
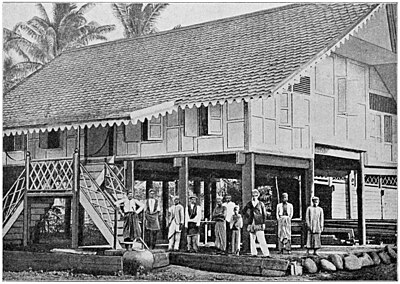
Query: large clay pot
x,y
137,260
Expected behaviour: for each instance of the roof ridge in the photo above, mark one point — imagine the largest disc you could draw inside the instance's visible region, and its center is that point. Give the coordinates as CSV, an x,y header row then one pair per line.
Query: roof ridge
x,y
194,26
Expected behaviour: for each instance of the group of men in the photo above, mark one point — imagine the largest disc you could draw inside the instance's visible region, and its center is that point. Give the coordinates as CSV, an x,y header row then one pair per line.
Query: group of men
x,y
228,223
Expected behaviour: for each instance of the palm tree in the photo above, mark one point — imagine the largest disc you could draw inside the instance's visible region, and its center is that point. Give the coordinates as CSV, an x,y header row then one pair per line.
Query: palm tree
x,y
17,63
138,19
67,29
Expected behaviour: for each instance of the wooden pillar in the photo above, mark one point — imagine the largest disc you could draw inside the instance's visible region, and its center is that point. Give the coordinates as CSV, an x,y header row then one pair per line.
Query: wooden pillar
x,y
207,199
362,232
165,202
196,186
183,185
248,184
308,188
81,223
26,207
75,201
67,219
213,189
130,176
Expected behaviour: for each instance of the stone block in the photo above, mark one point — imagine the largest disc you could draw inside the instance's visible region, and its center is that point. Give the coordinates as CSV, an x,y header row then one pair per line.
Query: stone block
x,y
392,253
375,257
328,266
310,266
384,257
352,262
366,260
337,260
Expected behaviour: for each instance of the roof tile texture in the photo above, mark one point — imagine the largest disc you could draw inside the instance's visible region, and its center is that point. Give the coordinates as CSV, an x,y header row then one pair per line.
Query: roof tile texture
x,y
230,58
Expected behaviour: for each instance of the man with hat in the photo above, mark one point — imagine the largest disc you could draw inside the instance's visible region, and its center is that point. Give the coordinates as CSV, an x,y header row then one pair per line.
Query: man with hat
x,y
284,214
152,213
192,223
257,216
219,215
315,225
175,224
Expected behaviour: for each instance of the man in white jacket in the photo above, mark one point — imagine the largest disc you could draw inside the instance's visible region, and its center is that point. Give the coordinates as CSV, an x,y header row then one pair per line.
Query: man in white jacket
x,y
284,214
175,224
192,224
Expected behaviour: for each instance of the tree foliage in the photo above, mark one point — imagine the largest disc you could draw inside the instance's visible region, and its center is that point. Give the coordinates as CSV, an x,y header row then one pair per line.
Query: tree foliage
x,y
138,19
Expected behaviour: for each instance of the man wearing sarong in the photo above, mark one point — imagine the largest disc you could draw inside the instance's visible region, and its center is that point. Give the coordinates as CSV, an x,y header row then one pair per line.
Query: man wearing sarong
x,y
229,212
315,225
219,215
284,214
256,214
132,208
192,224
152,223
175,223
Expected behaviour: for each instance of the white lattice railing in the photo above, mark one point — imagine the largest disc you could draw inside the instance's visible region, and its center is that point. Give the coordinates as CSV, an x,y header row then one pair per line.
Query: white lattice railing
x,y
51,175
100,200
381,180
13,197
113,183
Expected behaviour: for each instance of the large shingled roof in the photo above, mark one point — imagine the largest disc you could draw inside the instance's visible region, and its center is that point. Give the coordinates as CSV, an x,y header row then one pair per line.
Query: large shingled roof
x,y
237,57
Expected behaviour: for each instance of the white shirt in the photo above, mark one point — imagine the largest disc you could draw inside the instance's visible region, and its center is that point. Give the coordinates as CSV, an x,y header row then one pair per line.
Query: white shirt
x,y
254,202
229,210
152,203
130,205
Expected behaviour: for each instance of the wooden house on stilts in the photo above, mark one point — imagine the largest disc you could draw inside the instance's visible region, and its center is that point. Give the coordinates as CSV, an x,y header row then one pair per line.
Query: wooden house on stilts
x,y
299,99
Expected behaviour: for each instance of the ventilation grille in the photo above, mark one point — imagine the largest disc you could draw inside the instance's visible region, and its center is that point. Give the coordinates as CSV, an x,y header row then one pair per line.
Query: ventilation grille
x,y
381,103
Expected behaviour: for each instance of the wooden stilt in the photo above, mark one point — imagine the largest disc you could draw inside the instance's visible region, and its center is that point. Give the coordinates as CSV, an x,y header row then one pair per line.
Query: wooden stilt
x,y
362,232
207,199
75,201
26,207
248,183
165,202
149,184
183,185
67,219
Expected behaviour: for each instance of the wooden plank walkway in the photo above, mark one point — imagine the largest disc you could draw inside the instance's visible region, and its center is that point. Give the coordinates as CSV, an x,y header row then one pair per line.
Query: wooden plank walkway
x,y
245,265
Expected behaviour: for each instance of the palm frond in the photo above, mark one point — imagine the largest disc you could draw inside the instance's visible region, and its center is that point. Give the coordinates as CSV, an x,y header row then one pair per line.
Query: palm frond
x,y
43,13
152,12
85,8
119,11
30,31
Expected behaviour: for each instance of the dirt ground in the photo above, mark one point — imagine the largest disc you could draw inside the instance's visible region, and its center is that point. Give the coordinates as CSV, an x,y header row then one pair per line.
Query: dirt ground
x,y
179,273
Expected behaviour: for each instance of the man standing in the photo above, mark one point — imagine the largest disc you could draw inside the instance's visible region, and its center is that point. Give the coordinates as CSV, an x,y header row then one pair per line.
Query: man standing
x,y
219,216
175,224
192,224
152,223
255,212
284,215
229,205
315,225
132,209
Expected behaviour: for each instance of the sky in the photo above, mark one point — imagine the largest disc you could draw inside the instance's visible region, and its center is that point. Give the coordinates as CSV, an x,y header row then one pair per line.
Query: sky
x,y
183,14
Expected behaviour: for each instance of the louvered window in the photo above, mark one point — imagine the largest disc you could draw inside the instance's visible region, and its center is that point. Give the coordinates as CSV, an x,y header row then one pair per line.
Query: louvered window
x,y
388,129
303,87
152,129
383,104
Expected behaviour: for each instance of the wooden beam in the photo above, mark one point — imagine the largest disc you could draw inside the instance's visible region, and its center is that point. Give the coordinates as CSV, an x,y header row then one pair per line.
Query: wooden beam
x,y
214,165
183,186
362,229
75,201
248,184
154,166
165,202
26,206
279,161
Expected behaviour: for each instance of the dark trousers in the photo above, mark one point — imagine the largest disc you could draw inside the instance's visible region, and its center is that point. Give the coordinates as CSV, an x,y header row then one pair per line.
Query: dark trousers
x,y
151,238
228,236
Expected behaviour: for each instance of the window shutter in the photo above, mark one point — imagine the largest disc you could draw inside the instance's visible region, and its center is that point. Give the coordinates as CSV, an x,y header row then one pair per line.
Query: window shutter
x,y
388,129
352,95
300,111
8,143
154,128
43,140
133,132
341,90
19,142
191,122
215,120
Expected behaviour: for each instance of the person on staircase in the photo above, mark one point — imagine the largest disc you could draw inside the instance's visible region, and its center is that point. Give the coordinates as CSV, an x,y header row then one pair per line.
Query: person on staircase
x,y
131,208
192,224
176,218
152,213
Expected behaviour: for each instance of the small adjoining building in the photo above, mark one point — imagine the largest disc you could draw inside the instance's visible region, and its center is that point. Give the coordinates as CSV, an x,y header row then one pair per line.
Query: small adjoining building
x,y
299,99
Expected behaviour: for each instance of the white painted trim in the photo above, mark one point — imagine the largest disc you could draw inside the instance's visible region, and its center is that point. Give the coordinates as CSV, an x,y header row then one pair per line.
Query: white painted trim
x,y
13,218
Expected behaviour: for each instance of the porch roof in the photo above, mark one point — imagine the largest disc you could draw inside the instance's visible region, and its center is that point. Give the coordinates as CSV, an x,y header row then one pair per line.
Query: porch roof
x,y
230,59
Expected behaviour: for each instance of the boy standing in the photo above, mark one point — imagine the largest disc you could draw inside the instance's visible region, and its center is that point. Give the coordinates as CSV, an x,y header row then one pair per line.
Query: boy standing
x,y
236,224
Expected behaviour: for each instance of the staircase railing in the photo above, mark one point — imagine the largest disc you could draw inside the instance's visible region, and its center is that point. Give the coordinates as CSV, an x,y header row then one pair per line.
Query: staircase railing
x,y
13,197
112,181
103,206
